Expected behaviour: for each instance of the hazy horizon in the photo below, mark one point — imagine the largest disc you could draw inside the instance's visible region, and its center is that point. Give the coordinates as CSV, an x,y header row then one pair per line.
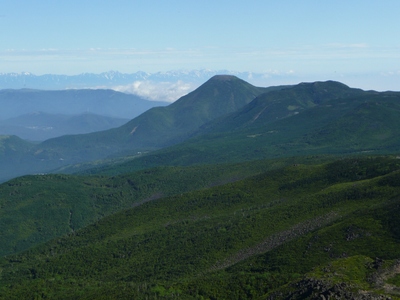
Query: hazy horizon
x,y
171,85
351,42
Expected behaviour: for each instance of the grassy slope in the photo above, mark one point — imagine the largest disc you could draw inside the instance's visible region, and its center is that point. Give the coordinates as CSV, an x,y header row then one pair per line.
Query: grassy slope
x,y
240,240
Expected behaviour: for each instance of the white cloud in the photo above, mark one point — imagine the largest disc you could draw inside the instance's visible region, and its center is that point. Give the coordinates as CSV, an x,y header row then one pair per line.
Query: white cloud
x,y
391,73
348,46
160,91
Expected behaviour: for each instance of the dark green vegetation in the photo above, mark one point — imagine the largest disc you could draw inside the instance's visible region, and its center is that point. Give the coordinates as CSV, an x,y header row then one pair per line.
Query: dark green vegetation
x,y
232,192
34,209
243,239
311,118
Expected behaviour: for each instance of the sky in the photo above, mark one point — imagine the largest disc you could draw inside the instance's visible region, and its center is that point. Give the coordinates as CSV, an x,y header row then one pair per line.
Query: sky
x,y
354,41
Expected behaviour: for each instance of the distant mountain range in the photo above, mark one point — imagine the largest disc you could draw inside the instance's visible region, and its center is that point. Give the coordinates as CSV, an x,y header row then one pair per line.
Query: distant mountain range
x,y
40,126
113,79
110,103
37,115
226,120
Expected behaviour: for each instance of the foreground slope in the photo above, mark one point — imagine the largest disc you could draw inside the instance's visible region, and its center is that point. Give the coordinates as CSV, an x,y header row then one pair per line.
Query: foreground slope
x,y
237,241
34,209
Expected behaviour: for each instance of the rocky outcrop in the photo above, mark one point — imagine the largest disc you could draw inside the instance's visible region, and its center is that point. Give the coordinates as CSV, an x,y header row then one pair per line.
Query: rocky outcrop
x,y
314,289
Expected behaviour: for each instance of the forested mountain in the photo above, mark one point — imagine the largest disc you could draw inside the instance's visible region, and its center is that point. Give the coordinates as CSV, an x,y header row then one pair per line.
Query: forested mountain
x,y
326,229
41,126
161,126
309,118
228,119
154,129
231,192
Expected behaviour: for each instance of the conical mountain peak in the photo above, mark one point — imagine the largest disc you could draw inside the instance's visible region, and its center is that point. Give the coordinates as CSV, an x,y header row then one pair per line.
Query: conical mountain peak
x,y
160,126
224,77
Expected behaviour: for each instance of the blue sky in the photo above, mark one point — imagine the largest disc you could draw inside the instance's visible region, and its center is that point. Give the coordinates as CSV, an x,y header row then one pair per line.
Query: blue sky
x,y
356,42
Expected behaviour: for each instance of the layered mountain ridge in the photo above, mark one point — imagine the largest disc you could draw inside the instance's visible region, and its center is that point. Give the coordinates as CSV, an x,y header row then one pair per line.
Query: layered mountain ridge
x,y
231,192
17,102
112,79
40,126
226,113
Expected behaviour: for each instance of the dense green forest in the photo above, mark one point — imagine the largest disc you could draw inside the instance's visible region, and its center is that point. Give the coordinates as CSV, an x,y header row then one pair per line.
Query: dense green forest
x,y
243,239
37,208
231,192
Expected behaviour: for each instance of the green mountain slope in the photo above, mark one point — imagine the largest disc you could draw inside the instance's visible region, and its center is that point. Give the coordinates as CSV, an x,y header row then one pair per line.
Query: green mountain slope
x,y
296,227
154,129
309,118
236,241
271,107
161,126
34,209
371,125
360,122
10,143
